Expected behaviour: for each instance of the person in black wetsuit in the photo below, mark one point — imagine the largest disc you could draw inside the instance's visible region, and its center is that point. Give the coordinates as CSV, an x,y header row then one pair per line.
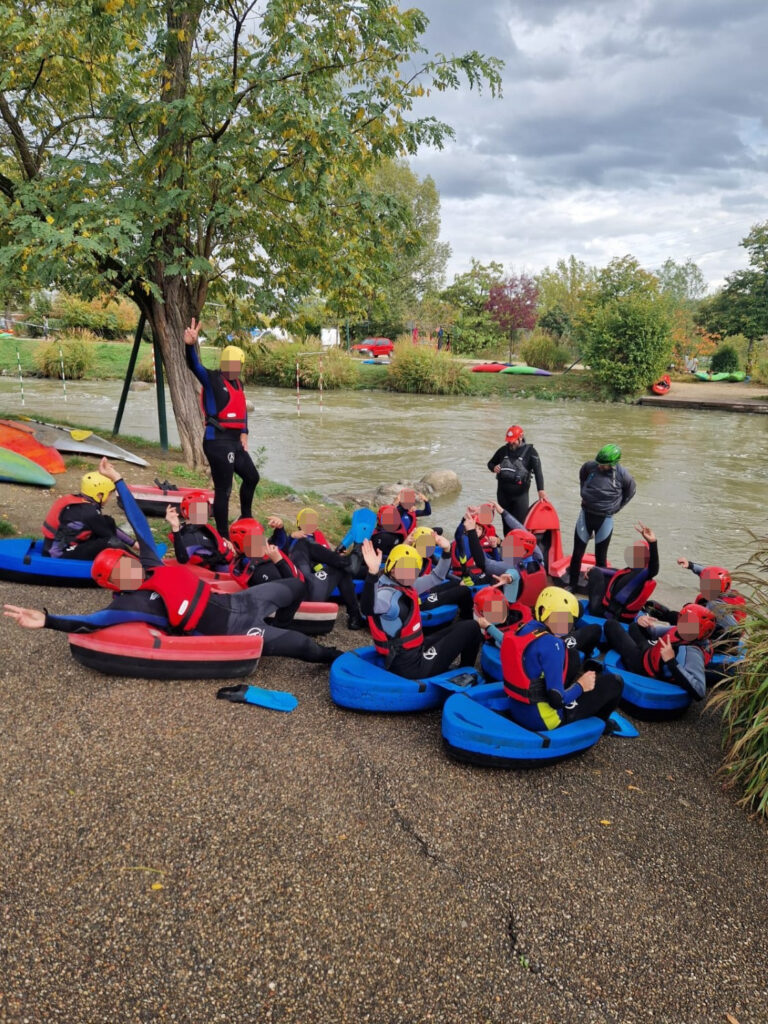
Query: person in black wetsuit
x,y
622,593
194,540
76,526
514,464
172,598
406,507
226,428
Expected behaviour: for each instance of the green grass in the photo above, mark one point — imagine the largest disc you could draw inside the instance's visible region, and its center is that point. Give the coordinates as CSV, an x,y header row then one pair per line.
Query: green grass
x,y
6,529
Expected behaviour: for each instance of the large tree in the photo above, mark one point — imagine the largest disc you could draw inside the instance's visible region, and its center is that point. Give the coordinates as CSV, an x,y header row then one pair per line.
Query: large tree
x,y
156,148
466,307
512,304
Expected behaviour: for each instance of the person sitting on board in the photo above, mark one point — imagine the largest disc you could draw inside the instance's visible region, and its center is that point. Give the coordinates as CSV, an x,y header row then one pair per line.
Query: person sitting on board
x,y
496,607
391,602
389,529
514,464
673,654
480,520
716,593
622,593
606,487
424,540
76,526
407,500
173,598
323,568
541,663
225,441
195,540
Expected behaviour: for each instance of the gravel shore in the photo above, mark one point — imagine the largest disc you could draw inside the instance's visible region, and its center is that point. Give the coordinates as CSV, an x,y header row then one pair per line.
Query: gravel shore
x,y
165,856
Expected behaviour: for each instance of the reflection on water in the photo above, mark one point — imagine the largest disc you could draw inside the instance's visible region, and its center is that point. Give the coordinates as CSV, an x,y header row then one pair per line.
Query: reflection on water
x,y
701,475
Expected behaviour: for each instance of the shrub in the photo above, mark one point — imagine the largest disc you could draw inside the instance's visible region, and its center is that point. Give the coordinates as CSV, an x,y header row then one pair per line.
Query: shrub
x,y
276,364
108,318
145,370
420,369
542,350
725,360
744,698
76,355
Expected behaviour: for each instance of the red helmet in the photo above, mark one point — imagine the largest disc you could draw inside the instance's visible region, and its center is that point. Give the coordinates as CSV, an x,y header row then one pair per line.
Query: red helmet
x,y
243,528
193,498
523,539
104,563
515,434
485,599
707,620
389,519
714,572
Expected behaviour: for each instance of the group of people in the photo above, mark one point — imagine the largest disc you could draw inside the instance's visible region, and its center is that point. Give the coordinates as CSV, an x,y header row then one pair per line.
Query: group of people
x,y
498,583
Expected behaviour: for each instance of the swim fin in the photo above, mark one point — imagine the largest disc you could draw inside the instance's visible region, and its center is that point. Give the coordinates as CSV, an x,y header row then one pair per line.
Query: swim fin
x,y
617,725
277,700
362,527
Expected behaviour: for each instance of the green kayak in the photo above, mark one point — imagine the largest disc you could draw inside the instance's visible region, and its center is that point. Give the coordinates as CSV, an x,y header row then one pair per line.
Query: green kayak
x,y
736,376
17,469
526,370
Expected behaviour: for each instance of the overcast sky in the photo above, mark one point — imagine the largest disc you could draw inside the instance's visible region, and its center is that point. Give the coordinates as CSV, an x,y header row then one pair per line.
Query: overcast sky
x,y
626,126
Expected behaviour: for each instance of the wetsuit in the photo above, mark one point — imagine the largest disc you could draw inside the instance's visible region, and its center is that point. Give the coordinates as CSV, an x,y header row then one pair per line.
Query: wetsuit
x,y
325,570
201,545
81,518
548,694
391,608
221,442
223,614
409,516
513,481
687,669
619,594
603,493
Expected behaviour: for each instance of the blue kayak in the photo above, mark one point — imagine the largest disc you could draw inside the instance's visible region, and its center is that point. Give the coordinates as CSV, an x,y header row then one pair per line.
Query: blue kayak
x,y
647,698
22,561
476,729
358,680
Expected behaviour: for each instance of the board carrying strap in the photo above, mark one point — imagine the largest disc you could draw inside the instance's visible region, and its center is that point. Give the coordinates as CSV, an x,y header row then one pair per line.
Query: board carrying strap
x,y
28,555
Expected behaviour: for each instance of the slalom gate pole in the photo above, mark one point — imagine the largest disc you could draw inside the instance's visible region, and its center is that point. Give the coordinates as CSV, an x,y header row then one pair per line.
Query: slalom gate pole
x,y
21,379
320,383
63,376
298,392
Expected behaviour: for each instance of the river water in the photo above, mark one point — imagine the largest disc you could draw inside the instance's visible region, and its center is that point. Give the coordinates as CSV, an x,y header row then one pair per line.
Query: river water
x,y
702,477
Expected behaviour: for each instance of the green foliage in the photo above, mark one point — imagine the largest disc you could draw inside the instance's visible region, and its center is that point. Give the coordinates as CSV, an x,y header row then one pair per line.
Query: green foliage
x,y
102,318
562,288
144,370
623,330
473,327
744,699
542,350
76,355
556,320
276,364
420,369
6,528
725,360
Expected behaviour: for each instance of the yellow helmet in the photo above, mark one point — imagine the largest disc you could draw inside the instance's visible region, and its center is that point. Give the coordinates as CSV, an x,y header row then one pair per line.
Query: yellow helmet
x,y
405,555
423,539
232,354
303,515
555,599
422,531
97,486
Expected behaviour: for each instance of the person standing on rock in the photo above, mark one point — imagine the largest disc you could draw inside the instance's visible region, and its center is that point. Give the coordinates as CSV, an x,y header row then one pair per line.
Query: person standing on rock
x,y
514,464
226,428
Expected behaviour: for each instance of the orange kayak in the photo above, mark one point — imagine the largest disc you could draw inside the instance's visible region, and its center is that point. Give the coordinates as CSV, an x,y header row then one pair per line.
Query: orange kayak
x,y
19,440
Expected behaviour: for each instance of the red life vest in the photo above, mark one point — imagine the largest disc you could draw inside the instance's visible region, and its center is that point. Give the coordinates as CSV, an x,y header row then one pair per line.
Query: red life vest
x,y
531,584
52,522
626,612
517,684
184,595
233,414
411,636
222,550
654,666
731,598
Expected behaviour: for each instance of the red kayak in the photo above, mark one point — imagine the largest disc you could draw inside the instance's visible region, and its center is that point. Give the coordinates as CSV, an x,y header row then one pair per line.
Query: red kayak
x,y
490,367
139,650
17,438
662,385
543,521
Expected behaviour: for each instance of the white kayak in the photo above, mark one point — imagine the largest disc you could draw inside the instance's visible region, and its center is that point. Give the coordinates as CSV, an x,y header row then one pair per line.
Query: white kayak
x,y
81,442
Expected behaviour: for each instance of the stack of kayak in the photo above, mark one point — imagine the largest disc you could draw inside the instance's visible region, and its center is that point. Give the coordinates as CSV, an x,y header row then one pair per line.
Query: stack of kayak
x,y
510,368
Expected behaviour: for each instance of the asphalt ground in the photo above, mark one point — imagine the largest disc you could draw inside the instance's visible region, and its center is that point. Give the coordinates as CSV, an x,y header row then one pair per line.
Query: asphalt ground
x,y
165,856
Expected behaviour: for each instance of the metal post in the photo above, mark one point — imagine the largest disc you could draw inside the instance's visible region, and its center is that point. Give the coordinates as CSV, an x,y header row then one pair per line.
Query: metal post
x,y
160,384
129,373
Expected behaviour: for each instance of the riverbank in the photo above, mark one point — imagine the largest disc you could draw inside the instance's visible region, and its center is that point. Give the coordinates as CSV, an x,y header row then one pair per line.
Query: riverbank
x,y
170,857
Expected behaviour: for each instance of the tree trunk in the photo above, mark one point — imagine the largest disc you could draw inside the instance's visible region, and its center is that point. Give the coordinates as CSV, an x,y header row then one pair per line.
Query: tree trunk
x,y
168,321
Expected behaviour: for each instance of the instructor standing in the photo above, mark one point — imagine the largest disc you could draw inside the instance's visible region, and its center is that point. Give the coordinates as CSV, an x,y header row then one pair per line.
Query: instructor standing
x,y
226,428
514,464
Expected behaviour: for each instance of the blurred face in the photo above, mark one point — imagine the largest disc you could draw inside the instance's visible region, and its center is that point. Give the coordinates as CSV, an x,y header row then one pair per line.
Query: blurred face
x,y
512,547
560,623
408,499
710,589
688,627
127,574
485,515
309,522
404,574
230,368
390,520
496,610
198,513
425,545
255,545
637,556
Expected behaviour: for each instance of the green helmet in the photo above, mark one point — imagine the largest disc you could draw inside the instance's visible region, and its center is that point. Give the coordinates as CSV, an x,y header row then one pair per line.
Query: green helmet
x,y
609,455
